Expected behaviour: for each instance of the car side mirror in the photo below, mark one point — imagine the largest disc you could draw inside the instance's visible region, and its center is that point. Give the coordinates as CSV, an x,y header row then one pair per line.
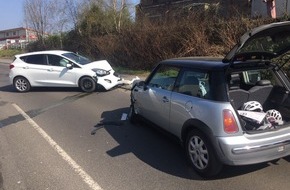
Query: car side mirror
x,y
69,66
143,85
140,84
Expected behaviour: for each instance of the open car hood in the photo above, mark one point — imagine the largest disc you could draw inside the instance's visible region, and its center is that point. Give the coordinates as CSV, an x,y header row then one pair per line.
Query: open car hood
x,y
262,43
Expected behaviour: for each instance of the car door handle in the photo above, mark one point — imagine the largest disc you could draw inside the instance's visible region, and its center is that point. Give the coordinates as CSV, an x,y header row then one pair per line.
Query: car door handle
x,y
165,99
50,69
26,67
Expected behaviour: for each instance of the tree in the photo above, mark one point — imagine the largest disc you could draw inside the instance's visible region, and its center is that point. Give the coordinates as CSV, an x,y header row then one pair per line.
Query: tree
x,y
118,8
48,16
105,17
37,15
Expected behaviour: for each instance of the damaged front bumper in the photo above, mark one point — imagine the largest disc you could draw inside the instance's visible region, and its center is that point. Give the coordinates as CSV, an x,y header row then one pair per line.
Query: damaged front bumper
x,y
113,80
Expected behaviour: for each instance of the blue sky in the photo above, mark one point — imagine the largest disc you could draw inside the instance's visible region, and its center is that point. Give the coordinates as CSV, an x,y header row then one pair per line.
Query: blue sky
x,y
11,13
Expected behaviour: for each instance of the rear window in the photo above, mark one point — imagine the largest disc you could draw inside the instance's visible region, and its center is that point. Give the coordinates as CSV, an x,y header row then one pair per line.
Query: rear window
x,y
38,59
273,44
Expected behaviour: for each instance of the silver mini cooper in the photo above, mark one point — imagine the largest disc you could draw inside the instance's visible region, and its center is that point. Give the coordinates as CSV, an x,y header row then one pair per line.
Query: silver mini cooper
x,y
231,111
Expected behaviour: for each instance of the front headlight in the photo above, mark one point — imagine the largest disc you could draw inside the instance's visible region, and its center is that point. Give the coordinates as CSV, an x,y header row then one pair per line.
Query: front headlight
x,y
101,72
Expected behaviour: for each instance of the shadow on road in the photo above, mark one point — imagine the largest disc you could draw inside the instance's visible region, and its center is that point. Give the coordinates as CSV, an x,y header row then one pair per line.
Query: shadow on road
x,y
7,88
10,88
35,112
156,149
287,158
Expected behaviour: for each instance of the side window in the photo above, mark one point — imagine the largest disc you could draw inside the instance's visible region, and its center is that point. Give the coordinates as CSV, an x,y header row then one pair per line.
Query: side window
x,y
35,59
253,76
193,83
164,77
57,60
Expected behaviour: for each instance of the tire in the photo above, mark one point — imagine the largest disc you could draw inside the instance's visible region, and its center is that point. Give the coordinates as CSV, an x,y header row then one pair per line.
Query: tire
x,y
88,84
133,116
201,155
21,84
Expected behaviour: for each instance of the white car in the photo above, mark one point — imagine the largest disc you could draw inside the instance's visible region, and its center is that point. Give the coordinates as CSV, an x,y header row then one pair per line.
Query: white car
x,y
57,68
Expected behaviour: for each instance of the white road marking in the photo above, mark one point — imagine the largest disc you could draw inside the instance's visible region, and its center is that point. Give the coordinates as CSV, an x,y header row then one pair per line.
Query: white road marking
x,y
124,117
77,168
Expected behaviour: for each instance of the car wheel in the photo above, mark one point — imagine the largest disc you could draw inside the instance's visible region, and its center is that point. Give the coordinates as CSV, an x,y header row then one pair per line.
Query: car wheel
x,y
21,84
88,84
201,154
133,116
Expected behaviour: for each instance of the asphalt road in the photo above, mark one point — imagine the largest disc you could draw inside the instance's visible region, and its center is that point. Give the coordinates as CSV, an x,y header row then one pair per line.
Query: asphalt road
x,y
46,143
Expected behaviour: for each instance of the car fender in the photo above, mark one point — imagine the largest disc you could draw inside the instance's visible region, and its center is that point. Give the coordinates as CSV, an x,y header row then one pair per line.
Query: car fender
x,y
195,124
83,72
192,124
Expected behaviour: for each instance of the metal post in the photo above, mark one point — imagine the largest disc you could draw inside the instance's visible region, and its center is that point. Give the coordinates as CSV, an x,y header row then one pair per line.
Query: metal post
x,y
287,8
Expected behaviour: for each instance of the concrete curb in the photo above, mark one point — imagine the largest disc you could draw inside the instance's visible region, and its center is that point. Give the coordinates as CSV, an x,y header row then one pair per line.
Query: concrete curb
x,y
7,61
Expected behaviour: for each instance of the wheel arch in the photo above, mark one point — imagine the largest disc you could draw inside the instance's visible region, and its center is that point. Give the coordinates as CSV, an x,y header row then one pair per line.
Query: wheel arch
x,y
195,124
15,77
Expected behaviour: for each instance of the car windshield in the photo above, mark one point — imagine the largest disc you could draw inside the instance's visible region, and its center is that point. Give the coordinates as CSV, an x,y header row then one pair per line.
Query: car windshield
x,y
77,58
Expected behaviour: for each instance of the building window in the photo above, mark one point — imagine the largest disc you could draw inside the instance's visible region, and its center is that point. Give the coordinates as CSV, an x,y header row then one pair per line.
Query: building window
x,y
14,33
7,33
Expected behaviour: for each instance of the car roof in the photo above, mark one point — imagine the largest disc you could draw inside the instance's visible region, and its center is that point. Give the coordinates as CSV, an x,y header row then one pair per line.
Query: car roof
x,y
207,63
55,52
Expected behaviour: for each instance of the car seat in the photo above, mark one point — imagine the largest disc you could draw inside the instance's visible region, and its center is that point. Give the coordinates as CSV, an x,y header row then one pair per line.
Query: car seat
x,y
261,91
190,86
237,95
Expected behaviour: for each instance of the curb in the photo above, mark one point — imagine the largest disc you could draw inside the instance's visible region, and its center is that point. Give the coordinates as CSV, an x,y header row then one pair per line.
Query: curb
x,y
7,61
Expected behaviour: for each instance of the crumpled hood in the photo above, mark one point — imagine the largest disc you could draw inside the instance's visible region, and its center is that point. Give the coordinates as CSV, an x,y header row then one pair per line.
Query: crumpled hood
x,y
102,64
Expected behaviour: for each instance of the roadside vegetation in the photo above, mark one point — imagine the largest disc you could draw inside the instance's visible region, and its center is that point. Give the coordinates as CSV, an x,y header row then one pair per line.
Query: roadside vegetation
x,y
140,46
107,31
9,53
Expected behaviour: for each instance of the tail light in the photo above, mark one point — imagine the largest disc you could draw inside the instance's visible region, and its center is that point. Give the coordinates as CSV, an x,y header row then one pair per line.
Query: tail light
x,y
230,124
11,66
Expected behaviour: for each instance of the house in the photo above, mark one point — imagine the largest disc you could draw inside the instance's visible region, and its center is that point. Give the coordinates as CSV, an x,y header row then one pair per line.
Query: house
x,y
16,37
160,9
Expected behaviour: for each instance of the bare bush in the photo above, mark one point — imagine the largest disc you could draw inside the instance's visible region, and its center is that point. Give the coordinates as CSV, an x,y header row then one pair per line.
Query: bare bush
x,y
142,45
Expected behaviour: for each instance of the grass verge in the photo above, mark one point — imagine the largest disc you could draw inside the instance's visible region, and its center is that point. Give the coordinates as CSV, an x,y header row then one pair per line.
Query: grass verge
x,y
9,53
126,71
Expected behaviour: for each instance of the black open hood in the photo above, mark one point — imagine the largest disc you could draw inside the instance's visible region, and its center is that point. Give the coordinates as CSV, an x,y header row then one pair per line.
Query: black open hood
x,y
264,42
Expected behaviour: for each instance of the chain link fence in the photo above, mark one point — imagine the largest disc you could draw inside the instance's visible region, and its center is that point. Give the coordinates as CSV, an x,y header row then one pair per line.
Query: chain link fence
x,y
283,8
259,8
